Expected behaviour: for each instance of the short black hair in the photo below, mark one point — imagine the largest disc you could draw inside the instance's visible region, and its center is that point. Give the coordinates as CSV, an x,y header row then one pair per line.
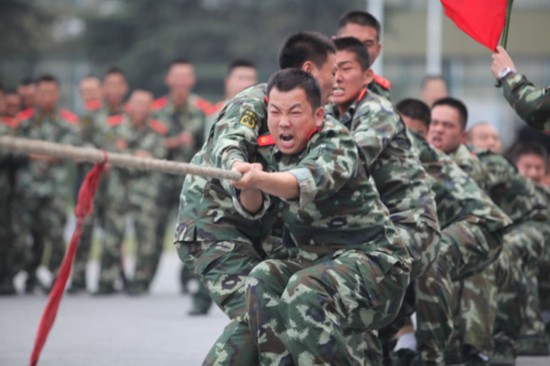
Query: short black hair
x,y
290,79
361,18
240,62
305,46
47,78
115,70
520,149
456,104
354,46
180,61
27,81
415,109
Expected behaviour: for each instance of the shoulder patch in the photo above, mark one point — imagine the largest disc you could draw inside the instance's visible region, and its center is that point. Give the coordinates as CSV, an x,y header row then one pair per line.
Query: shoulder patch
x,y
158,127
159,103
266,140
203,105
249,119
114,120
11,122
69,116
93,105
216,108
26,114
383,82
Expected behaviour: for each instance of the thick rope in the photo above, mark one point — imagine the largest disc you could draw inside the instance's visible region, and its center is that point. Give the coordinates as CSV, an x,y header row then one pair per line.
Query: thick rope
x,y
81,154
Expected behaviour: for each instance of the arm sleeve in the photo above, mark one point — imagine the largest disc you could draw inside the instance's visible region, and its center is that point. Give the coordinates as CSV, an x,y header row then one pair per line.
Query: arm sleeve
x,y
532,104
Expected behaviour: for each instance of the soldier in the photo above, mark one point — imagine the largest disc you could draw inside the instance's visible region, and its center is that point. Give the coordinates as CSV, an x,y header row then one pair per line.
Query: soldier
x,y
207,237
89,129
351,268
13,103
27,90
115,88
184,115
241,74
532,104
366,28
517,199
463,209
485,136
132,193
397,173
43,183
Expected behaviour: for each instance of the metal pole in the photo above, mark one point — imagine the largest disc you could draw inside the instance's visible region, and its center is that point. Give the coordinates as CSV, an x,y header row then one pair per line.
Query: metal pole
x,y
434,34
376,8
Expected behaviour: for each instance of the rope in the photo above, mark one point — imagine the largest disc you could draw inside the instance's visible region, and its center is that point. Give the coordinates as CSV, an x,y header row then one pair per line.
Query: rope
x,y
81,154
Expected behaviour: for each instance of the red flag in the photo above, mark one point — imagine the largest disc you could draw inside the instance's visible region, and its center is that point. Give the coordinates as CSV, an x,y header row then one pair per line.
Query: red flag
x,y
483,20
83,208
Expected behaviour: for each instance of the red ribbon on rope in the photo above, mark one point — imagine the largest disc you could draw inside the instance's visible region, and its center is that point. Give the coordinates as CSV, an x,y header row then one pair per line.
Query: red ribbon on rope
x,y
83,208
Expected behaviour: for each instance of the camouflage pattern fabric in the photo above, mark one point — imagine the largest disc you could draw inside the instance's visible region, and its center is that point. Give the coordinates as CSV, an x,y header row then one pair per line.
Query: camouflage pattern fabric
x,y
43,186
12,239
351,268
93,129
213,238
532,104
472,228
132,193
397,173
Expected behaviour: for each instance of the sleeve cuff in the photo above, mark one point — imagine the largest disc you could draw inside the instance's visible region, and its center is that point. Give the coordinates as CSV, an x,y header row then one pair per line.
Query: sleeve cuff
x,y
247,215
308,188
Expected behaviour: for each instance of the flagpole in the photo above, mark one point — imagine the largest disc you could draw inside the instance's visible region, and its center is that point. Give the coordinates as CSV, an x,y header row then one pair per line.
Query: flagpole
x,y
504,37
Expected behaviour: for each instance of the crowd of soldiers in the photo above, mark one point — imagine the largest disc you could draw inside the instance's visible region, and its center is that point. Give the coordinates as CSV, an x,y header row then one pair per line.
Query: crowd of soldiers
x,y
363,231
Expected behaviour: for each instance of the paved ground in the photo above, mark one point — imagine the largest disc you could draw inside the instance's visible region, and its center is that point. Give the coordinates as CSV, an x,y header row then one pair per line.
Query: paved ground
x,y
119,330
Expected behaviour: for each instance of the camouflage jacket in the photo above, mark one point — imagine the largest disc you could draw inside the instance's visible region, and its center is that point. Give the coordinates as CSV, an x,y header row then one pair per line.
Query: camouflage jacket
x,y
470,163
94,125
381,86
530,103
40,179
146,138
544,194
396,170
512,192
191,117
457,195
338,207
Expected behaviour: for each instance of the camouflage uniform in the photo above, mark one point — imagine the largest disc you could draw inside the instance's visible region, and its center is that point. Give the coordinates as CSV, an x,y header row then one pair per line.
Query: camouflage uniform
x,y
351,268
132,193
12,248
472,228
530,103
399,178
92,129
544,267
191,117
525,240
477,307
380,86
43,188
213,239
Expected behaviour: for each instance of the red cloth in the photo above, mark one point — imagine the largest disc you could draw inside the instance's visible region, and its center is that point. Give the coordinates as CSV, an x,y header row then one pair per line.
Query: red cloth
x,y
483,20
83,208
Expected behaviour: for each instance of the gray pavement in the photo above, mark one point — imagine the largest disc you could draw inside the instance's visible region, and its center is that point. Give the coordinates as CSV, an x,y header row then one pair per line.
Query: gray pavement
x,y
119,330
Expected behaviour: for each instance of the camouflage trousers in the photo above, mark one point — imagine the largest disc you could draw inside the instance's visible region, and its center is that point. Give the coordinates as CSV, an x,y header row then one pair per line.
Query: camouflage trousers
x,y
529,243
44,218
465,248
12,239
317,311
223,268
140,212
86,240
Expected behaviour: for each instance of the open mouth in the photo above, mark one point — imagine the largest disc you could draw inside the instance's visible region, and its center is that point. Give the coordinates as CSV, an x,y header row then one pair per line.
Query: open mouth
x,y
286,141
337,92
